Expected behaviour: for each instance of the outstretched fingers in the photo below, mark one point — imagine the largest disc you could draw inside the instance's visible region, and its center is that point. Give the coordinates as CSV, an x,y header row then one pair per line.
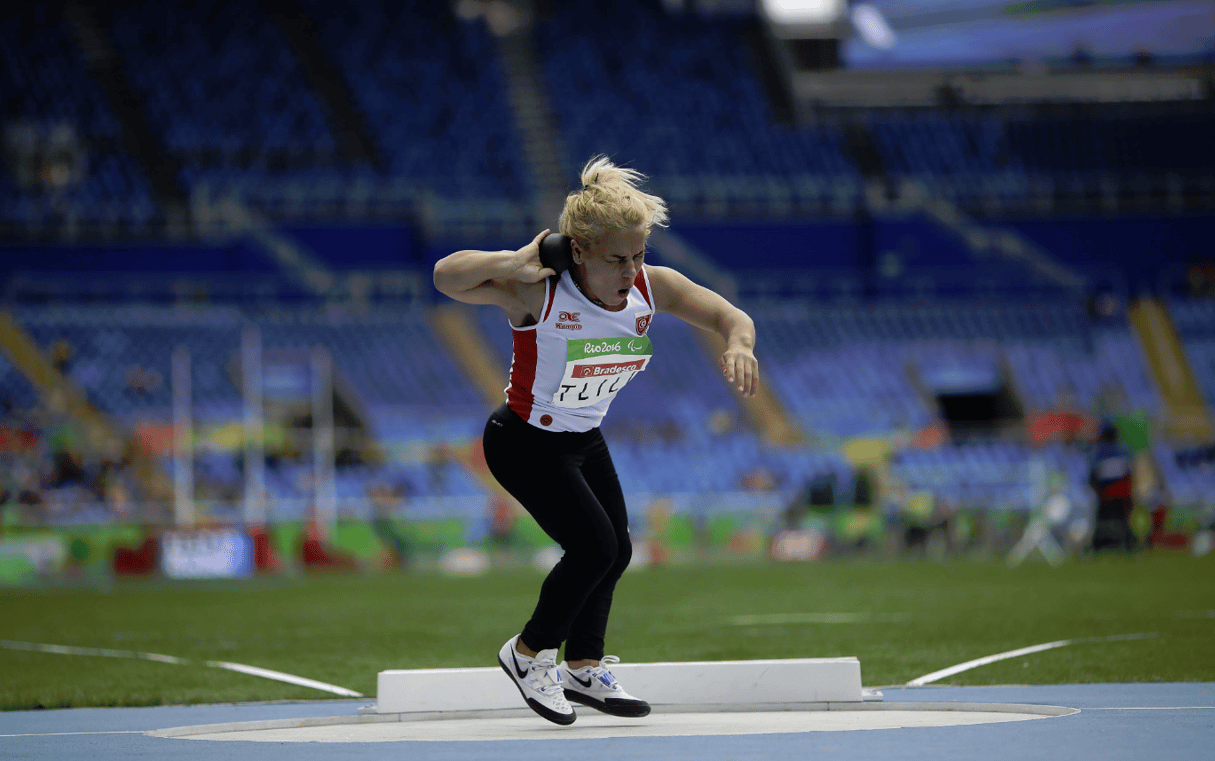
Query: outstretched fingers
x,y
742,371
747,375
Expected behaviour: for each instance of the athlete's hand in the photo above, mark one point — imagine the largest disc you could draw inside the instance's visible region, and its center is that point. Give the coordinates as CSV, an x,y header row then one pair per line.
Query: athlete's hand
x,y
741,368
529,269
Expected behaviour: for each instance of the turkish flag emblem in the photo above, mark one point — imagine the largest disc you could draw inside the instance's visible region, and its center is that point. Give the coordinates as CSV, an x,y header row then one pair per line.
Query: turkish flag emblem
x,y
643,323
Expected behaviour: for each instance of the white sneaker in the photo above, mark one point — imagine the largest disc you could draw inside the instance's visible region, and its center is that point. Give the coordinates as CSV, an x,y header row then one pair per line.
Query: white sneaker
x,y
596,687
538,680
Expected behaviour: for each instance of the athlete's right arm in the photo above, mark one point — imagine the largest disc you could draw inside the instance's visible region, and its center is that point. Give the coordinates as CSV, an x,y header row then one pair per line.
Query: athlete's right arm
x,y
504,278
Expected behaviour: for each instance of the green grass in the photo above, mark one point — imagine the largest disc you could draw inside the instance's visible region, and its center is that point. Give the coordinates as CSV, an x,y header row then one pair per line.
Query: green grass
x,y
345,629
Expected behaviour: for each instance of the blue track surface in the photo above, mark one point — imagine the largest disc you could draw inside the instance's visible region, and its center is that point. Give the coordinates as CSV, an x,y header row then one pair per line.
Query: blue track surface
x,y
1117,721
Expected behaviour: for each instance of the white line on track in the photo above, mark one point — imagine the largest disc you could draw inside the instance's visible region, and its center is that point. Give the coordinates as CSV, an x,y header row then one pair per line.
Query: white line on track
x,y
968,665
779,619
279,676
1152,708
60,734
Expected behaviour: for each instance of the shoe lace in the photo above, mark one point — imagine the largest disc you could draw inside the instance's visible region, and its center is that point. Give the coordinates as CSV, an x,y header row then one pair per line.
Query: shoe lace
x,y
547,673
601,670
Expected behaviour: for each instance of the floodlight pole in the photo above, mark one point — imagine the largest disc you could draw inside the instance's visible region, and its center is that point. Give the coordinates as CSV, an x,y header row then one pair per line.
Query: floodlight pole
x,y
325,497
255,433
183,448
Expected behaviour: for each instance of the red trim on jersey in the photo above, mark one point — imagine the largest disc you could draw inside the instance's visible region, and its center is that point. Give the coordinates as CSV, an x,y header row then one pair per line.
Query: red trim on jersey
x,y
552,297
643,286
522,374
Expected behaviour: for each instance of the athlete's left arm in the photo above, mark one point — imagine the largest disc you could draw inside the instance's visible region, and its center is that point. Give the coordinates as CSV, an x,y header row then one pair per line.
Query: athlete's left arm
x,y
696,305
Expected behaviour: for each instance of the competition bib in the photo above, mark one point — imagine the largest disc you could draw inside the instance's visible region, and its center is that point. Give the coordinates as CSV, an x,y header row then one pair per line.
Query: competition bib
x,y
597,368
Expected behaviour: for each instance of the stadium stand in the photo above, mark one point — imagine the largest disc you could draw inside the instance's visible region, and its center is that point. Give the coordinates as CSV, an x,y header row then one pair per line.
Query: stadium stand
x,y
67,164
1195,322
710,143
432,88
263,138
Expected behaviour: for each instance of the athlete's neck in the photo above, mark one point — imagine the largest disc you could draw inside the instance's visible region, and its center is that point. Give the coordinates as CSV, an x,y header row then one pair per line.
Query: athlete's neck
x,y
577,279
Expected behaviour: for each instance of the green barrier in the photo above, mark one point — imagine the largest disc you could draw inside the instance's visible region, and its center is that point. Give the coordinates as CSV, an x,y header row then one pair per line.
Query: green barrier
x,y
287,538
530,532
439,535
31,554
680,532
1004,518
17,570
857,524
964,528
105,539
815,523
358,539
366,540
391,534
88,547
721,528
1181,520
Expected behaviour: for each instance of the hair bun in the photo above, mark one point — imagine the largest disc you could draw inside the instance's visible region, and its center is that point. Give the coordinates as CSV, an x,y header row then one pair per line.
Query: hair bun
x,y
617,203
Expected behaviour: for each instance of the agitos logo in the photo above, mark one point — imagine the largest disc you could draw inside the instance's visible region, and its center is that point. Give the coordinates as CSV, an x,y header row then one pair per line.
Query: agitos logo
x,y
565,318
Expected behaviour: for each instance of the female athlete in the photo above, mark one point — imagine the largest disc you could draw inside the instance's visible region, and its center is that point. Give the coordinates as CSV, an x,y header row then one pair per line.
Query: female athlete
x,y
579,337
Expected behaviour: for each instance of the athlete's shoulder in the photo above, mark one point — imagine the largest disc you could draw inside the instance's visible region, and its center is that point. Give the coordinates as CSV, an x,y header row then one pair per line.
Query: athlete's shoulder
x,y
665,285
659,275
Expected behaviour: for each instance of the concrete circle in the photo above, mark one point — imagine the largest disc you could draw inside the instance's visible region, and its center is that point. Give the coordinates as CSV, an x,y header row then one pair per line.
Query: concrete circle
x,y
592,725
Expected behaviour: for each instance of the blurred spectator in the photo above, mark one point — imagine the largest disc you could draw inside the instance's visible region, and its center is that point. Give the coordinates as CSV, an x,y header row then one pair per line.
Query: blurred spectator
x,y
1110,477
1081,56
818,496
502,520
920,516
61,353
1106,307
385,503
143,380
54,470
66,469
317,552
862,488
1160,535
722,421
24,489
759,479
436,465
1200,278
641,431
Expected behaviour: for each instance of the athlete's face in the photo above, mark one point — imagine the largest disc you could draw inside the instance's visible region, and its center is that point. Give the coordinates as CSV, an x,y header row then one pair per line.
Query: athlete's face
x,y
607,268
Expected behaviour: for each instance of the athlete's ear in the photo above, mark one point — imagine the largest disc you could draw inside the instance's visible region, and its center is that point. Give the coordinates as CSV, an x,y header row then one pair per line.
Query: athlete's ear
x,y
576,249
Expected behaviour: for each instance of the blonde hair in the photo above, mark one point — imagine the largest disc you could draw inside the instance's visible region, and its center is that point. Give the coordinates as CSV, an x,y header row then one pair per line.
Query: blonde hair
x,y
610,199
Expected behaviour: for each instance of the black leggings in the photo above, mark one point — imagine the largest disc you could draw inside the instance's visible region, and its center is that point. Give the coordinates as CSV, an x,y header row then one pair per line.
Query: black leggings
x,y
569,485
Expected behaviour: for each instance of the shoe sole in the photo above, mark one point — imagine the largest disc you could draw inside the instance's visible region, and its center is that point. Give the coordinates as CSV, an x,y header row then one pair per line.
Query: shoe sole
x,y
564,719
625,710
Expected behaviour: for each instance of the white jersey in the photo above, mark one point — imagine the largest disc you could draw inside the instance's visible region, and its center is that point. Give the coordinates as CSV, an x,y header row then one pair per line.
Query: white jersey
x,y
568,367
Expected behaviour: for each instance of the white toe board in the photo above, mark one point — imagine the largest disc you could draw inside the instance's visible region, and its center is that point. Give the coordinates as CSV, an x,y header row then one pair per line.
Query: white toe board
x,y
798,680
